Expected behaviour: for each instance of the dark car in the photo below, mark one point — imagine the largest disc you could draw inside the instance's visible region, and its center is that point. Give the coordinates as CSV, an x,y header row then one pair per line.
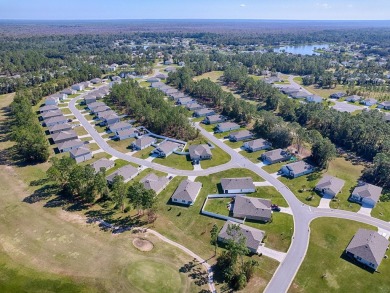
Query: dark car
x,y
275,208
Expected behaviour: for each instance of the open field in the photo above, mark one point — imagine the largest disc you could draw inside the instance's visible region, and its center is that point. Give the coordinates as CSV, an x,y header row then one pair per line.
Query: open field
x,y
213,75
44,248
121,145
328,240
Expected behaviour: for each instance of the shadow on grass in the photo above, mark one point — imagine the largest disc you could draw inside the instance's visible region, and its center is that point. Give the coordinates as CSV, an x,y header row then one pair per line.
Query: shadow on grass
x,y
43,193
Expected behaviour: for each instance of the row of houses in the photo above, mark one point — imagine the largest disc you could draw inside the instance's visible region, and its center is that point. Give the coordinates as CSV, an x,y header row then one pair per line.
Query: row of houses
x,y
364,101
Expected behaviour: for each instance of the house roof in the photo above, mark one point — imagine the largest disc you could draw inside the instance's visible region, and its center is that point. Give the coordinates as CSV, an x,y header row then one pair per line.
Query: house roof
x,y
193,106
110,116
157,84
237,183
276,154
241,134
353,98
315,99
67,134
95,105
125,132
333,183
385,104
145,140
199,150
187,190
252,207
298,167
104,114
126,172
81,151
185,100
368,191
53,113
167,146
370,100
102,163
228,125
70,144
369,245
48,108
215,118
257,143
119,125
204,111
60,127
154,182
56,119
299,94
101,109
253,236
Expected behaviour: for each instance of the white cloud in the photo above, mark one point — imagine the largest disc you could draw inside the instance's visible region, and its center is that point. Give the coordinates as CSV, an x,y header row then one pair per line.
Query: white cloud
x,y
323,5
242,5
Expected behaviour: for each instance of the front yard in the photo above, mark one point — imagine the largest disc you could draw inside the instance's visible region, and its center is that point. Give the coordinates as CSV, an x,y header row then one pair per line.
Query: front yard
x,y
182,162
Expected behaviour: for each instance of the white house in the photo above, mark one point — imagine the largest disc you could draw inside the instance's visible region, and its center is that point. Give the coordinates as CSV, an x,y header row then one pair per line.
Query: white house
x,y
166,148
81,154
240,135
52,100
237,185
257,145
329,186
69,145
227,126
126,133
120,126
128,172
187,192
143,142
78,87
297,169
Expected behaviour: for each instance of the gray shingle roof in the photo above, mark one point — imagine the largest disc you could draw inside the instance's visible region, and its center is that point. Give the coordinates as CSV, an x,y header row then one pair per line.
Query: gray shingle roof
x,y
145,140
187,190
48,108
60,127
81,151
253,236
333,183
237,183
68,134
50,114
298,167
154,182
228,125
61,118
126,172
252,207
369,245
257,143
199,150
368,191
119,125
102,163
167,146
204,111
241,134
70,144
214,118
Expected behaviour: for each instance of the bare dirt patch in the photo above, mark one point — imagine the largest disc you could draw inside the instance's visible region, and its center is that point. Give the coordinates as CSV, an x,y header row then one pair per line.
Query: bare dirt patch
x,y
143,244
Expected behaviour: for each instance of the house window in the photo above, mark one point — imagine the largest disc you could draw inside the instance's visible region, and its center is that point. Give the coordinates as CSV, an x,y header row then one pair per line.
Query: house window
x,y
183,200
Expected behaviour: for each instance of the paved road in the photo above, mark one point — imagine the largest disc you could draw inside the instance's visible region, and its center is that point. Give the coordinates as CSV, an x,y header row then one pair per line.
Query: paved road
x,y
303,214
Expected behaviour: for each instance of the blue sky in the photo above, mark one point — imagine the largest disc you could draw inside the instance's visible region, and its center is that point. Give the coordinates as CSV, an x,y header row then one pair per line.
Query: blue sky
x,y
196,9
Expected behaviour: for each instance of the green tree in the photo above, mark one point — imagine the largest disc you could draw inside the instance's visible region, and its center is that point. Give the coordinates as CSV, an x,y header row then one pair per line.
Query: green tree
x,y
118,192
214,237
323,151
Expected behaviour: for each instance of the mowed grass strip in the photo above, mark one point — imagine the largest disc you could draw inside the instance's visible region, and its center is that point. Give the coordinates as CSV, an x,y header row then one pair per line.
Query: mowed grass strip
x,y
325,270
181,162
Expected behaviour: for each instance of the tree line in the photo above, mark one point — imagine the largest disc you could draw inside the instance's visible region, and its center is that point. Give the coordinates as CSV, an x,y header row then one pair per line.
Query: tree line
x,y
150,109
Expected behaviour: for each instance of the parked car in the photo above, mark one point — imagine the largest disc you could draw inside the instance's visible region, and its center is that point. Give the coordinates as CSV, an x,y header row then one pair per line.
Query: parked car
x,y
275,208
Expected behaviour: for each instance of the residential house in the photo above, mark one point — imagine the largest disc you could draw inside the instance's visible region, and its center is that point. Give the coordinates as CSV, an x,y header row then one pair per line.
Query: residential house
x,y
200,152
289,90
143,142
152,79
193,106
127,133
369,102
162,76
227,126
168,62
353,98
275,156
257,145
154,182
128,172
64,136
384,105
69,91
299,94
102,111
329,186
52,100
69,145
214,119
102,163
55,120
184,101
47,108
337,95
89,99
237,185
59,127
254,237
296,169
170,69
94,105
314,99
166,148
177,95
96,80
110,119
252,208
187,192
240,135
368,247
120,126
366,194
170,91
157,85
204,112
81,154
78,87
50,114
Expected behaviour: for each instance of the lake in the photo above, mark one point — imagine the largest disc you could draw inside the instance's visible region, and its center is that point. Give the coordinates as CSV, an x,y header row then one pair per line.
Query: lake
x,y
302,49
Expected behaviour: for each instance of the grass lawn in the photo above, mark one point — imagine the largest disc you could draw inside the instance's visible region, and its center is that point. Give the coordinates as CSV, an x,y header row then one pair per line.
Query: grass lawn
x,y
80,107
270,192
144,84
208,127
345,170
213,75
298,80
145,172
278,232
100,129
234,144
66,111
119,163
89,117
253,156
219,158
274,167
218,206
80,130
328,240
381,211
302,187
93,147
96,157
176,161
121,145
143,154
325,93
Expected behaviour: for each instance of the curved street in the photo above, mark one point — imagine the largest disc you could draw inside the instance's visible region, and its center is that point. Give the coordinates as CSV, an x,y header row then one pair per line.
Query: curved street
x,y
302,213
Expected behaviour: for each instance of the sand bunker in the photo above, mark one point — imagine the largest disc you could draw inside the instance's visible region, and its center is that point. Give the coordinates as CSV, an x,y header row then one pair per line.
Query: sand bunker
x,y
143,244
